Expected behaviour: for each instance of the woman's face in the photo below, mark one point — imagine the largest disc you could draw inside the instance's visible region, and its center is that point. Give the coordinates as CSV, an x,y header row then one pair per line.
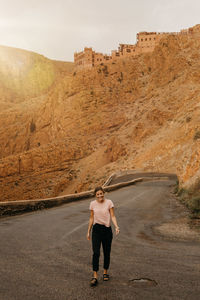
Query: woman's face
x,y
100,196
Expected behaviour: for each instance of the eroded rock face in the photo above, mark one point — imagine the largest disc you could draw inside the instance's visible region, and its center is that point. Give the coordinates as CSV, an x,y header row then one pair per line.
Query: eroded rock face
x,y
140,113
115,150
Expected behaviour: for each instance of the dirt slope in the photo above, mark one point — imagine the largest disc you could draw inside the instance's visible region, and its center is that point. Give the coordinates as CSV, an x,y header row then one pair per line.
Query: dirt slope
x,y
140,112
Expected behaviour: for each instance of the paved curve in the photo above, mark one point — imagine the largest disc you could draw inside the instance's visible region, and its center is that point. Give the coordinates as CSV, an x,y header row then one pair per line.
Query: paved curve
x,y
135,175
45,255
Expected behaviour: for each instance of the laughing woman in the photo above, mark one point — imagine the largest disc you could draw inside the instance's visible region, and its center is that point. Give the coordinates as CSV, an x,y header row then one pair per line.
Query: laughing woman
x,y
101,212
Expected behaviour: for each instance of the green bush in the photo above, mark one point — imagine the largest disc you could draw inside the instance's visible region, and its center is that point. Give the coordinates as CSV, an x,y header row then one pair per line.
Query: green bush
x,y
32,126
176,188
194,204
188,119
190,198
182,192
196,135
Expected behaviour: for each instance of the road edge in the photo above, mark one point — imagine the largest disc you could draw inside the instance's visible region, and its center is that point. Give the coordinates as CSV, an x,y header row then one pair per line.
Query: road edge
x,y
11,208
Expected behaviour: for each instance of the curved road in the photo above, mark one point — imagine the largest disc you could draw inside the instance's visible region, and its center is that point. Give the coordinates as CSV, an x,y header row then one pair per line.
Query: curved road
x,y
45,255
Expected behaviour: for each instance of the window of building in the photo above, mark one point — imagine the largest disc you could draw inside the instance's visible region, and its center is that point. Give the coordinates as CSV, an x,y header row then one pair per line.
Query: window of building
x,y
141,40
146,39
150,39
128,50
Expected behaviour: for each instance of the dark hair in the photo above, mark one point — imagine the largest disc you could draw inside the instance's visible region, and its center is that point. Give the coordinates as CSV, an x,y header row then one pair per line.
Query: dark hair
x,y
98,188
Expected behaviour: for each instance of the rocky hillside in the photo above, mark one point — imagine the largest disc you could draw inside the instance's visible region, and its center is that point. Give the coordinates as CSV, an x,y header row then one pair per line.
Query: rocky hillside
x,y
70,130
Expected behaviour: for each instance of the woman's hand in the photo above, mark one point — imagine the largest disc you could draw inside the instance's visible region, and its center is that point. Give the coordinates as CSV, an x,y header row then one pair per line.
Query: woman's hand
x,y
117,230
91,221
88,236
112,214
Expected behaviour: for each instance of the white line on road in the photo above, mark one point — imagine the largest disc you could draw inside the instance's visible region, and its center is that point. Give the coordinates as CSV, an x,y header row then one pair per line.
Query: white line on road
x,y
138,196
75,229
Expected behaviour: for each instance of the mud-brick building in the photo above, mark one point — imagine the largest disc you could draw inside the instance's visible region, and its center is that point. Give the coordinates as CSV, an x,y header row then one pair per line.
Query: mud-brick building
x,y
146,42
89,58
124,50
84,59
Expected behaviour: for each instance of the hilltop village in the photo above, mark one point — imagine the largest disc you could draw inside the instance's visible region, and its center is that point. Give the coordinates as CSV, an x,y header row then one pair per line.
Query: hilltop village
x,y
146,42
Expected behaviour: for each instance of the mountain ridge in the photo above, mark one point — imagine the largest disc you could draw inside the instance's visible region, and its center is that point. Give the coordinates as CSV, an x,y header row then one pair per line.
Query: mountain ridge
x,y
137,113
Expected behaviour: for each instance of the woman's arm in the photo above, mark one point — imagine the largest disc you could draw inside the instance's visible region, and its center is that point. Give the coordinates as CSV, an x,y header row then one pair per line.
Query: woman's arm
x,y
91,220
114,220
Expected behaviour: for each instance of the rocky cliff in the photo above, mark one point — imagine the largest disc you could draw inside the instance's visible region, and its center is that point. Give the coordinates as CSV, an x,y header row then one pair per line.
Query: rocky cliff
x,y
65,131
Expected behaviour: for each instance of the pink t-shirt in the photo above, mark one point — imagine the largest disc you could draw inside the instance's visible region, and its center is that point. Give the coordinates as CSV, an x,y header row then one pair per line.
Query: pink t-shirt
x,y
101,211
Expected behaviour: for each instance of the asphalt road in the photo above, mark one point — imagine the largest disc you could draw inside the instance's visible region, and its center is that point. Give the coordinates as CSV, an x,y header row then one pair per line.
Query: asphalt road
x,y
45,254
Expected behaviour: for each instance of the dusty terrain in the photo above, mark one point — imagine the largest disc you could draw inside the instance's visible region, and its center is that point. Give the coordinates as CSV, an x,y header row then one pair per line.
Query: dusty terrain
x,y
64,131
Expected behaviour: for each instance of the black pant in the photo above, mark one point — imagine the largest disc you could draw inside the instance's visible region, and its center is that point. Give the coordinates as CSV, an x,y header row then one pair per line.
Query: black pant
x,y
101,234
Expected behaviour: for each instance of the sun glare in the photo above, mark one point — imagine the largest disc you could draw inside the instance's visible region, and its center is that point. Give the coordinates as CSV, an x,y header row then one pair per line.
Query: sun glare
x,y
12,60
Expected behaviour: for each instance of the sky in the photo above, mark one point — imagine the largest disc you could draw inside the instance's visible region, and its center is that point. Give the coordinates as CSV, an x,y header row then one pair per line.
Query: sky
x,y
58,28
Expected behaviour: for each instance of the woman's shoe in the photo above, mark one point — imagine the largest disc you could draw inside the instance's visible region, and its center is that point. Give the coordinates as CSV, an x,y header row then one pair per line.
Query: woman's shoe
x,y
106,277
93,281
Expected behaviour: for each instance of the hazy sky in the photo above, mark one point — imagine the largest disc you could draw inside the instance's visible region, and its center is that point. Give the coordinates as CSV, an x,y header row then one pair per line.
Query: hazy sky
x,y
58,28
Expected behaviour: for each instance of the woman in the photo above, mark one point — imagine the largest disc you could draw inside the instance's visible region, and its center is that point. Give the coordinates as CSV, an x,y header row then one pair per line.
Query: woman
x,y
101,211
